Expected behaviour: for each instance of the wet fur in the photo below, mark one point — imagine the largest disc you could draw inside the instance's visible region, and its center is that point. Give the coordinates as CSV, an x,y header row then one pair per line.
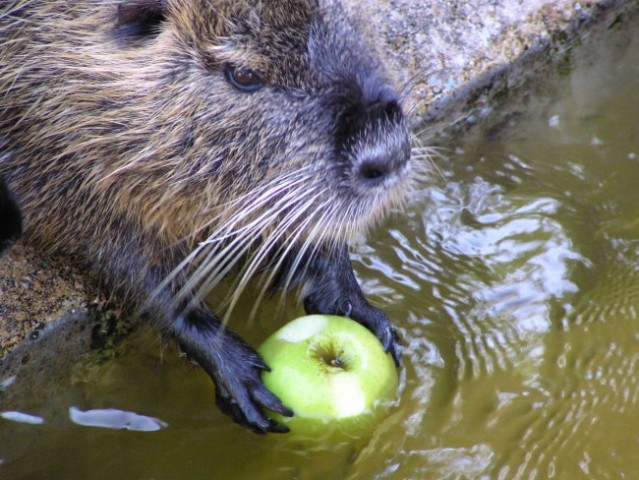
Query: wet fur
x,y
133,153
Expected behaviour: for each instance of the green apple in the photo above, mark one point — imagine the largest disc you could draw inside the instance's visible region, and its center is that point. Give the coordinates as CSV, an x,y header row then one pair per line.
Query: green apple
x,y
332,372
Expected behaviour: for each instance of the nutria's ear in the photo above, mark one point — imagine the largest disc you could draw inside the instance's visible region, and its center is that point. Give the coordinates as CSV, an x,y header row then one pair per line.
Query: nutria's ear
x,y
140,17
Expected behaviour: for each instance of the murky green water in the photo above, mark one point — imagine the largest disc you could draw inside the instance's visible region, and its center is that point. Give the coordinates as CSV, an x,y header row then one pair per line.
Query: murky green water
x,y
514,281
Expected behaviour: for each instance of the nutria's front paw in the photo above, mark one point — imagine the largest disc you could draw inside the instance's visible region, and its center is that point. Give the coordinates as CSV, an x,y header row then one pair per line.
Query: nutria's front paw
x,y
240,393
377,322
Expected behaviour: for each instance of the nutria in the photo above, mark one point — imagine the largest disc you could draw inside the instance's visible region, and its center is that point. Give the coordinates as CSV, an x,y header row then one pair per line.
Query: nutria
x,y
160,143
10,218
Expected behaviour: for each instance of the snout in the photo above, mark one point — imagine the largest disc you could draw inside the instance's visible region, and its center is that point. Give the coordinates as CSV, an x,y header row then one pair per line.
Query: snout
x,y
383,155
378,148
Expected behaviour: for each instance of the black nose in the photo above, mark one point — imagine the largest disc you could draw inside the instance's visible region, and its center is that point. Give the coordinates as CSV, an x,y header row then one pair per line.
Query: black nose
x,y
374,169
383,156
383,147
372,137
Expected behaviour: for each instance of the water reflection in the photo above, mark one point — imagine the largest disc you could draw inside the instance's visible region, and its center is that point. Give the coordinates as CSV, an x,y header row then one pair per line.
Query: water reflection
x,y
521,269
115,419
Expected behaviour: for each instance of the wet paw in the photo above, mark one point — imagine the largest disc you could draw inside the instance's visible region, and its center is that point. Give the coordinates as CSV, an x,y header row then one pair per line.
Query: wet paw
x,y
241,395
377,322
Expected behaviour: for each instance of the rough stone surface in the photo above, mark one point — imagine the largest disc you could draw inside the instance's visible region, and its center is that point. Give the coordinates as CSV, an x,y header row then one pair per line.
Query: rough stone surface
x,y
34,291
452,56
445,51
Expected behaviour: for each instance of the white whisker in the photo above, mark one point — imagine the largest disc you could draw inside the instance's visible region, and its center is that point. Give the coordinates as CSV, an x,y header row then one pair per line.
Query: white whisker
x,y
216,265
283,229
310,241
285,250
212,258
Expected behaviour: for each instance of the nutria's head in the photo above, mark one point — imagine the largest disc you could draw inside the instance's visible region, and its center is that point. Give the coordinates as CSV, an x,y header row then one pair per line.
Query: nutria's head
x,y
268,123
229,127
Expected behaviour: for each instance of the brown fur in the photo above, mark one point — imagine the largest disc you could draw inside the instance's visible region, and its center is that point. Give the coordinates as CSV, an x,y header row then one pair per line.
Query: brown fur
x,y
131,151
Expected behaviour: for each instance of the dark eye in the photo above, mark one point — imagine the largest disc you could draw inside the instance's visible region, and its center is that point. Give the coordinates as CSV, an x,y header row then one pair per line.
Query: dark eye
x,y
242,78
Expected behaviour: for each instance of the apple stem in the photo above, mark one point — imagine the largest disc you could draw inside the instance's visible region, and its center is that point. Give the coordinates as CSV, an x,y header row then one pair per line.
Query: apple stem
x,y
329,354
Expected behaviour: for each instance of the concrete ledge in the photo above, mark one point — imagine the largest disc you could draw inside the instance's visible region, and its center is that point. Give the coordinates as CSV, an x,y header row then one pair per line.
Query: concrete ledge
x,y
457,58
33,292
448,52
